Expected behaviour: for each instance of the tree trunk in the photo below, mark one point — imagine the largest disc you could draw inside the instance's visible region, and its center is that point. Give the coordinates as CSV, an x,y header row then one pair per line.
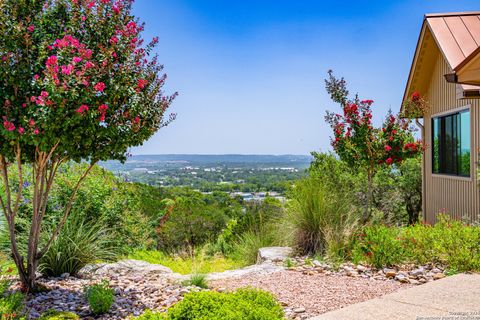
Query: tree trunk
x,y
368,201
44,171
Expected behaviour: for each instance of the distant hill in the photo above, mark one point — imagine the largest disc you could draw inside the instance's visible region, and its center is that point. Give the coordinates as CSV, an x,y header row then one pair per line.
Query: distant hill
x,y
297,161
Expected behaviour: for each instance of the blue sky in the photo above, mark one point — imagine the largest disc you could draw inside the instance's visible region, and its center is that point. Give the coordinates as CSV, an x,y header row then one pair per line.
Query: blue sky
x,y
250,73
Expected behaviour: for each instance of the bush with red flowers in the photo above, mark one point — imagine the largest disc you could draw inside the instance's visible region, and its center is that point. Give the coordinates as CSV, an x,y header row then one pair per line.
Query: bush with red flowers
x,y
359,143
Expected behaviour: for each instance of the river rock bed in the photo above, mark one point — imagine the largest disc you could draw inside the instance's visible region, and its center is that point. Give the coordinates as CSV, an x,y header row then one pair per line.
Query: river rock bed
x,y
304,287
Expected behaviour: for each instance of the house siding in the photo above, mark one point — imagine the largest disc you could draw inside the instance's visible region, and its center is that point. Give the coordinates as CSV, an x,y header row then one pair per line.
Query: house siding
x,y
457,196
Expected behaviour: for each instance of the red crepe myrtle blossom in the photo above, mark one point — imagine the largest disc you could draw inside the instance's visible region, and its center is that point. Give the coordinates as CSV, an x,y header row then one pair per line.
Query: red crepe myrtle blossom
x,y
415,96
31,28
141,83
99,87
388,148
389,161
83,108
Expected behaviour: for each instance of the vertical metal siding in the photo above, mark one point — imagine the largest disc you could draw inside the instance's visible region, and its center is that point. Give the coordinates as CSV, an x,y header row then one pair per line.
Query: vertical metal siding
x,y
457,196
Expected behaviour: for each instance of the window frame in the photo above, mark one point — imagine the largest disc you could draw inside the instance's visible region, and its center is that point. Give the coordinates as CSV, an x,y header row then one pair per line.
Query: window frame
x,y
456,111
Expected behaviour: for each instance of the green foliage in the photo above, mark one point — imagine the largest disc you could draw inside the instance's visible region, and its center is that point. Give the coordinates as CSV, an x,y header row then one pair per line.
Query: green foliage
x,y
245,304
323,220
197,279
11,303
79,244
100,297
380,246
396,189
152,315
195,219
53,314
248,243
200,263
289,263
448,242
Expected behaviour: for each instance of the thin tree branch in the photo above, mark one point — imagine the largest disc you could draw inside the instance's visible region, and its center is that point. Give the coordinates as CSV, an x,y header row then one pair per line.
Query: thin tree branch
x,y
20,180
68,208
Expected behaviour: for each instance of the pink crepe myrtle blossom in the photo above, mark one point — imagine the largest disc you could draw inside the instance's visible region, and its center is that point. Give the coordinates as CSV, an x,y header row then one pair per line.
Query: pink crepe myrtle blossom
x,y
76,59
52,61
100,87
67,69
31,28
21,130
36,131
31,122
9,126
113,40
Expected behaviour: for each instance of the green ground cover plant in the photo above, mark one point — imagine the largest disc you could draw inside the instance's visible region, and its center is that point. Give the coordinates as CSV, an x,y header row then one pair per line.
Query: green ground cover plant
x,y
100,297
245,304
58,315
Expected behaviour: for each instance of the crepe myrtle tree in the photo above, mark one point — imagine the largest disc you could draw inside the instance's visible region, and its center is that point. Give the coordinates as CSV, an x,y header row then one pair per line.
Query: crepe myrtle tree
x,y
362,145
77,83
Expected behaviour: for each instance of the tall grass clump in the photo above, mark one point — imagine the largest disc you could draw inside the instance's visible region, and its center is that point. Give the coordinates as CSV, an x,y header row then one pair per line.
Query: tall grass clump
x,y
79,244
322,219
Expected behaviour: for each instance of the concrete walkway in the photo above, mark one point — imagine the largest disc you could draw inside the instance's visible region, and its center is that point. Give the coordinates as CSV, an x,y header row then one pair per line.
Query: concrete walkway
x,y
447,297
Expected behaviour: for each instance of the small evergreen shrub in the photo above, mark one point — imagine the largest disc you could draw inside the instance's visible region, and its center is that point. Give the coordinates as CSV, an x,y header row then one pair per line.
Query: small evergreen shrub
x,y
53,314
197,279
245,304
100,297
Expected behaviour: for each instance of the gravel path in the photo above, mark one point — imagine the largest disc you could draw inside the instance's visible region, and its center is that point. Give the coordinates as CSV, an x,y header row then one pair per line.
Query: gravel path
x,y
310,295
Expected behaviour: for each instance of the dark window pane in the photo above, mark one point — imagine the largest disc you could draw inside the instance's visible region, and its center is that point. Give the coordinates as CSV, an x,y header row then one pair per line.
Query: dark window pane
x,y
451,144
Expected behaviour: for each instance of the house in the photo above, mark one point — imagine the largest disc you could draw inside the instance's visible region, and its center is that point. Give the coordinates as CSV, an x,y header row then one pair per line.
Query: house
x,y
446,72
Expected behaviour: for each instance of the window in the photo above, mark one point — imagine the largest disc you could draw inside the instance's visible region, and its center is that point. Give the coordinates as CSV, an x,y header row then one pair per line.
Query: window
x,y
451,144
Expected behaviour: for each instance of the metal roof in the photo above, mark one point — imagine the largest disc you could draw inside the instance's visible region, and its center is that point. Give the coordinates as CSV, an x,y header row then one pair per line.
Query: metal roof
x,y
457,35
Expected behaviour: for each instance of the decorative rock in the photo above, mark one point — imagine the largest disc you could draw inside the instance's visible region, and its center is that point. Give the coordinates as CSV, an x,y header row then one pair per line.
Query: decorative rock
x,y
361,268
299,310
273,254
418,272
389,273
438,276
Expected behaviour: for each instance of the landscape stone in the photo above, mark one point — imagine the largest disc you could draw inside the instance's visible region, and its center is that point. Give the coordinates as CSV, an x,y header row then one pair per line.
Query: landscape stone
x,y
273,254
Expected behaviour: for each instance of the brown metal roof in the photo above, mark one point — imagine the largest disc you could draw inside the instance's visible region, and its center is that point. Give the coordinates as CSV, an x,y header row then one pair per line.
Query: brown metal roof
x,y
457,35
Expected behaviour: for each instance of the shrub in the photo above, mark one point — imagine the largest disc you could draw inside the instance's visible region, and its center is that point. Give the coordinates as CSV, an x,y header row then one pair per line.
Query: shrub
x,y
245,304
151,315
79,244
198,279
99,297
53,314
322,219
380,246
448,242
246,247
